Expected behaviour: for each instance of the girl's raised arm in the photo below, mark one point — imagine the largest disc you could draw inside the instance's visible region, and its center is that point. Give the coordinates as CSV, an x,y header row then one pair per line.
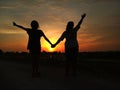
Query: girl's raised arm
x,y
14,24
82,17
80,22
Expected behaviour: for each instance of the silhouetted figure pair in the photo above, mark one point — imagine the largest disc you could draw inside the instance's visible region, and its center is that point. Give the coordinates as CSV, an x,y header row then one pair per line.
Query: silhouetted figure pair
x,y
71,45
34,45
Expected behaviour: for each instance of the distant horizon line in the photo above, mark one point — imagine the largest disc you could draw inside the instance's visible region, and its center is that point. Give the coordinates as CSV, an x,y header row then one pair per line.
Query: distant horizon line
x,y
2,51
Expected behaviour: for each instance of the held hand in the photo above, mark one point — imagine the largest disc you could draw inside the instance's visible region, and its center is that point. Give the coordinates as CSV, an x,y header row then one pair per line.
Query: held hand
x,y
83,15
14,24
53,45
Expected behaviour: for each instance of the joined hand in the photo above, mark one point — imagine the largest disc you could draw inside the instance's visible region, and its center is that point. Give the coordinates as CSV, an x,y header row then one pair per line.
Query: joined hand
x,y
53,45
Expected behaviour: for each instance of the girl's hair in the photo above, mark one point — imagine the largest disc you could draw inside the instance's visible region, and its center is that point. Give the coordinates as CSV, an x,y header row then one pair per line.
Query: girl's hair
x,y
34,24
70,25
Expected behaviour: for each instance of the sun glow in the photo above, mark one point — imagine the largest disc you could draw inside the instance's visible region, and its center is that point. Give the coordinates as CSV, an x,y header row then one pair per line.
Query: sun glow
x,y
51,49
46,46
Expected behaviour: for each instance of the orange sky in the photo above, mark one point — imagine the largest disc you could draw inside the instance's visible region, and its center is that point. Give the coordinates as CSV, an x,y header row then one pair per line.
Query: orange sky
x,y
100,30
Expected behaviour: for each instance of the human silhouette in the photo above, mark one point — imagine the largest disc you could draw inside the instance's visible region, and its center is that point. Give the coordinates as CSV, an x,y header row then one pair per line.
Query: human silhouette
x,y
34,45
71,45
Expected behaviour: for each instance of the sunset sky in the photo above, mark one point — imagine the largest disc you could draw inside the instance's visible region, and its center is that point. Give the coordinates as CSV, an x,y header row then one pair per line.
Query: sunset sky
x,y
100,30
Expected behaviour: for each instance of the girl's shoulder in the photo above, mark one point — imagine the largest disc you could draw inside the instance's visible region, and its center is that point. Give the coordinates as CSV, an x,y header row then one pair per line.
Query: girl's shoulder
x,y
40,32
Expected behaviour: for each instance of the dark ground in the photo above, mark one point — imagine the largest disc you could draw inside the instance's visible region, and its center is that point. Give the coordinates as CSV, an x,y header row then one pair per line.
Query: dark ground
x,y
91,75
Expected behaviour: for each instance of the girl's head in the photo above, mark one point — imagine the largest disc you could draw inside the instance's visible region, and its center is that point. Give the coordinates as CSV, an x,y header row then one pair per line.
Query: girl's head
x,y
34,24
70,25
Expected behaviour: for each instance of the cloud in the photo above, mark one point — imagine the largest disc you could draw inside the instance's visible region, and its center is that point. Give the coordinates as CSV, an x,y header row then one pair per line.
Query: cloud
x,y
107,0
100,25
96,1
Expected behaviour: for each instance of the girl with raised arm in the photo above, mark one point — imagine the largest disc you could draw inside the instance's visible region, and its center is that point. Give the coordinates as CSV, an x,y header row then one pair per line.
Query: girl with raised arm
x,y
34,45
71,45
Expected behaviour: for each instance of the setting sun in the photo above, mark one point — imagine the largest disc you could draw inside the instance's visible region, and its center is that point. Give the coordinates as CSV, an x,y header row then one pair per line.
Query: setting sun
x,y
51,49
46,46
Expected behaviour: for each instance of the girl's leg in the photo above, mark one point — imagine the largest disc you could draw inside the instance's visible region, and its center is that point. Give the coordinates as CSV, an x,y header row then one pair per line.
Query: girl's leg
x,y
67,66
74,61
35,65
74,68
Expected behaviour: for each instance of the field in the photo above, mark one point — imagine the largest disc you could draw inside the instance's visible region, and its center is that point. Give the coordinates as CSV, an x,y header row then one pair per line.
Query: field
x,y
95,71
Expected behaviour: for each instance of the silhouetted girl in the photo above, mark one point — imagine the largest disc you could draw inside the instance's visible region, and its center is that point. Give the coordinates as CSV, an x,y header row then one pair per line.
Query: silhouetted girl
x,y
71,44
34,45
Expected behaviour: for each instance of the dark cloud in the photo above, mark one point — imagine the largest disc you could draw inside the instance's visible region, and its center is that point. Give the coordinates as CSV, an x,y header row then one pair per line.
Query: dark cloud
x,y
107,0
96,1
